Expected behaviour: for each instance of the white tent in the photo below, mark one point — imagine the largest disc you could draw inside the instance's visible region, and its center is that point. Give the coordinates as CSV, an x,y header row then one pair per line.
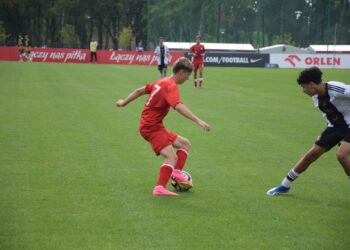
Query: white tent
x,y
229,47
283,49
330,48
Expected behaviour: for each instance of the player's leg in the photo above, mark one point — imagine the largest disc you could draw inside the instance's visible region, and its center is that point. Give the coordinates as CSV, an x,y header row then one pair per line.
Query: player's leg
x,y
343,155
312,155
20,55
161,143
91,56
183,146
201,76
164,70
195,77
95,57
160,69
26,55
29,58
330,137
170,159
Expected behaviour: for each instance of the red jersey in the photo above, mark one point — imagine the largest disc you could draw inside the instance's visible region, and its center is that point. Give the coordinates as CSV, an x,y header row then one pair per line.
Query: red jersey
x,y
198,50
163,94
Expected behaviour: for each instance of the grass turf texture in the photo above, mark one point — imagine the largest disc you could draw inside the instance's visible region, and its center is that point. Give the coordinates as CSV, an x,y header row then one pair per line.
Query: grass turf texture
x,y
75,173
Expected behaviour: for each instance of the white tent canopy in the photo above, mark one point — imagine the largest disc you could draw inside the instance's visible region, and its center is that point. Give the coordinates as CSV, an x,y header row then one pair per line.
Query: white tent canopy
x,y
330,48
240,47
283,49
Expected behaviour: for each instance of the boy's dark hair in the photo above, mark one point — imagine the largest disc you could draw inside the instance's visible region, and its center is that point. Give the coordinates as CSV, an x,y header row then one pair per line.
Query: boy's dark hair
x,y
182,63
312,74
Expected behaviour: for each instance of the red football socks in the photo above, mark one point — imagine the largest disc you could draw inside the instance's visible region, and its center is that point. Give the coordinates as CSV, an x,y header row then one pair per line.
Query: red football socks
x,y
181,159
164,174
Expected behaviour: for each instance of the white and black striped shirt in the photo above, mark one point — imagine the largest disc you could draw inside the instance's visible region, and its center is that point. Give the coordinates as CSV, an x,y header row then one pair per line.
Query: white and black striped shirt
x,y
335,104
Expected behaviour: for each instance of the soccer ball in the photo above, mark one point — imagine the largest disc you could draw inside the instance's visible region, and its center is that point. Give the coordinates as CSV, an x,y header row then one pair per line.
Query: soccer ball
x,y
181,188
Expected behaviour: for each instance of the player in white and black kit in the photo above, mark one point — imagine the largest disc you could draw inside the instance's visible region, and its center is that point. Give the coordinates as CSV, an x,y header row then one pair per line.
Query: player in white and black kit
x,y
333,99
162,54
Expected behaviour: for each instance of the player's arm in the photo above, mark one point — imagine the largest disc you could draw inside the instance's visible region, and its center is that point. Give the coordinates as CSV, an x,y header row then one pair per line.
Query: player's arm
x,y
183,110
203,53
156,51
132,96
168,53
191,52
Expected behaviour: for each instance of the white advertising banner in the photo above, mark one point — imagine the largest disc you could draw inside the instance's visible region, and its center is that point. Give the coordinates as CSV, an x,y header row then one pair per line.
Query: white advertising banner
x,y
340,61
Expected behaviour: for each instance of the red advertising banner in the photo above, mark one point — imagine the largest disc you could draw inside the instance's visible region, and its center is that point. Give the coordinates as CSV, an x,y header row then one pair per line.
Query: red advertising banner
x,y
83,56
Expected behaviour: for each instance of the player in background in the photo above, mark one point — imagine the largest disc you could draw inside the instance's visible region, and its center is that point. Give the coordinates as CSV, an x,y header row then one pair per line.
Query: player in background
x,y
28,47
162,54
174,148
20,46
197,51
333,100
93,51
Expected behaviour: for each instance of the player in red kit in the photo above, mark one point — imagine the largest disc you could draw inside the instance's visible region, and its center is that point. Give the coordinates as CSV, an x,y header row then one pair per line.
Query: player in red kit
x,y
197,51
164,94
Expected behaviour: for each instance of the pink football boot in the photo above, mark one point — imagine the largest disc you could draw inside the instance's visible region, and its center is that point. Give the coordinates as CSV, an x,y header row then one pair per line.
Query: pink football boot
x,y
181,179
162,191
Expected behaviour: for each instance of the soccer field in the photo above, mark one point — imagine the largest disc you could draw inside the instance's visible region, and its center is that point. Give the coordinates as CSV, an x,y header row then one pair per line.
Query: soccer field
x,y
76,174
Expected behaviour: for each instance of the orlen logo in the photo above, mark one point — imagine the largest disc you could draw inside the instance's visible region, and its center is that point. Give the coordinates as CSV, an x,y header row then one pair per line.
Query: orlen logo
x,y
292,58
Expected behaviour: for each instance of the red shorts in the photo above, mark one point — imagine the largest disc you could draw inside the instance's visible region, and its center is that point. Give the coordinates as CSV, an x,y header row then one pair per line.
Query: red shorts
x,y
158,139
198,64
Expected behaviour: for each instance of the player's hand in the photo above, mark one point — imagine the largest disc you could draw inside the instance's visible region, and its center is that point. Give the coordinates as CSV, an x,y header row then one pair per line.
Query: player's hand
x,y
120,103
204,125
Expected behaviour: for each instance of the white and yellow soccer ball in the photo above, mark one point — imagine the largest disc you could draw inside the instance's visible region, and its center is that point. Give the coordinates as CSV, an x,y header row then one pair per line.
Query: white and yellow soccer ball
x,y
180,188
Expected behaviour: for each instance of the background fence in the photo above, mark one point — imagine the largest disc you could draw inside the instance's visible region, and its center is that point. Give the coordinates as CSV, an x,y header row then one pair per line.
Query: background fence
x,y
126,24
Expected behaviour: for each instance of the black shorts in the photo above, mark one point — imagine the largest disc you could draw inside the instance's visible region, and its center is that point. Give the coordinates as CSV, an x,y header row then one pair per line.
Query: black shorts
x,y
331,136
162,66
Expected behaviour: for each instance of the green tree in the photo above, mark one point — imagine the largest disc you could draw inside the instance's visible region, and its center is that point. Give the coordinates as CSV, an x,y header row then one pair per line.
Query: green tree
x,y
260,22
126,38
69,37
3,35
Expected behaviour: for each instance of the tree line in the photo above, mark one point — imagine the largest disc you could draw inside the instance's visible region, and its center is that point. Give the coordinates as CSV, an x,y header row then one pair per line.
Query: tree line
x,y
123,24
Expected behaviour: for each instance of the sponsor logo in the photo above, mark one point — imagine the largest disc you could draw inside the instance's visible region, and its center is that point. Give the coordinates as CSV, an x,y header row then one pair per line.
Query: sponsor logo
x,y
322,60
292,58
255,60
133,58
236,59
126,58
313,60
40,55
74,55
226,59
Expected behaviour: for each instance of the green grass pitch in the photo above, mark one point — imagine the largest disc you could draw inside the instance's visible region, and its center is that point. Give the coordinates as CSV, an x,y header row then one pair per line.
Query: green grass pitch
x,y
75,173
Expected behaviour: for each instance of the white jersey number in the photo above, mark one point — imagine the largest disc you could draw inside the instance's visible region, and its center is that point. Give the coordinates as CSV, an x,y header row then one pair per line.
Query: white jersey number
x,y
152,95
